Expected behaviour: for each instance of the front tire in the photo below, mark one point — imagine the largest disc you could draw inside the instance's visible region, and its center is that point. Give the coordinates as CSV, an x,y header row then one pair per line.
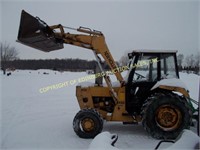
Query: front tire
x,y
166,115
87,123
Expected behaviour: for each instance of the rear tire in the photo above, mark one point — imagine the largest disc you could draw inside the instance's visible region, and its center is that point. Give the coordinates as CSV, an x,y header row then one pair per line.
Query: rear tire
x,y
87,123
166,115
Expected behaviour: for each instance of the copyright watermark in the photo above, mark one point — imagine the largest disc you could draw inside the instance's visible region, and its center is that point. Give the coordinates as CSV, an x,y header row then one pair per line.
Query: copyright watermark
x,y
97,75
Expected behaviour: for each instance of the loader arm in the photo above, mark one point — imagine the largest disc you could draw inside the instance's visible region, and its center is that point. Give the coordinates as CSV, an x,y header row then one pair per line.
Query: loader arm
x,y
94,40
37,34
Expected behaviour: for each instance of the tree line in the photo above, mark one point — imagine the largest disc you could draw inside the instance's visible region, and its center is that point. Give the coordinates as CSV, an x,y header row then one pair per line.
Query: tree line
x,y
54,64
9,59
189,63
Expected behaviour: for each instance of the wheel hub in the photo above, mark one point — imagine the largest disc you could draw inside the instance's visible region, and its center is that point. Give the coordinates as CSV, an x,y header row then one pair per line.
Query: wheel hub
x,y
168,117
87,124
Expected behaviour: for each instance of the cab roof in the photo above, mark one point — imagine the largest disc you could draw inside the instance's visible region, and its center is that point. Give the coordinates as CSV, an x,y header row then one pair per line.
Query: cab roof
x,y
153,51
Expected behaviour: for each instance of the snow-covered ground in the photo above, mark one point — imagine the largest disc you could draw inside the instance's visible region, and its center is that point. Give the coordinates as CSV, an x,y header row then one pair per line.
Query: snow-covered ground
x,y
187,140
34,120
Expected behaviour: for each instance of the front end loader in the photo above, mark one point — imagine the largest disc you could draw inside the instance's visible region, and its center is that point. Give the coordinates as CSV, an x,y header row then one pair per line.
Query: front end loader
x,y
150,93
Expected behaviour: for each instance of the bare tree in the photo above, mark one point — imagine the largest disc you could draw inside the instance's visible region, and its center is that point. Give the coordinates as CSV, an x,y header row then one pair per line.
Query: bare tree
x,y
197,59
8,53
197,63
190,61
180,58
124,59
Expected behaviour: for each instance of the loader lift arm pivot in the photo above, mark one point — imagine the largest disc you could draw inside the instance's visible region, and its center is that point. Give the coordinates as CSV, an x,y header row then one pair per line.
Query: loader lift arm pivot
x,y
39,34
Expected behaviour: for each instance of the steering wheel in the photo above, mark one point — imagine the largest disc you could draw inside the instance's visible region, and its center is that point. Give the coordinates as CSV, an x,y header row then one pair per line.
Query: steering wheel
x,y
139,76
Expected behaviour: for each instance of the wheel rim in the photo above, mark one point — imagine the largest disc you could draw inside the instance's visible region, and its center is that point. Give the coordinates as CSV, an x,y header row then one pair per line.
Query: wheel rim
x,y
87,124
168,117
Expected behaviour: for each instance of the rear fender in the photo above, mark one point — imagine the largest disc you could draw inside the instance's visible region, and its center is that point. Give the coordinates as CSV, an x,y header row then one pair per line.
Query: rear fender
x,y
183,91
173,84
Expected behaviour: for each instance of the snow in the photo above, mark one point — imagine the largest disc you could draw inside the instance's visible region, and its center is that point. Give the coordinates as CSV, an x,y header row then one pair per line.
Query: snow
x,y
34,120
89,84
188,140
86,84
103,141
192,81
170,82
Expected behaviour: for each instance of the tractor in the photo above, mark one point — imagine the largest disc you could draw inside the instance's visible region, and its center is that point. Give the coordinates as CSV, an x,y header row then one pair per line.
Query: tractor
x,y
151,93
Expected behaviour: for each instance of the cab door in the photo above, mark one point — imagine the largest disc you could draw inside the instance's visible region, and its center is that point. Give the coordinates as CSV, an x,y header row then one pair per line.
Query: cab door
x,y
143,76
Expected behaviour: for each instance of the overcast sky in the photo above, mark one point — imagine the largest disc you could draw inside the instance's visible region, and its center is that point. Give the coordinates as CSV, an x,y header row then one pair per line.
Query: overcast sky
x,y
127,25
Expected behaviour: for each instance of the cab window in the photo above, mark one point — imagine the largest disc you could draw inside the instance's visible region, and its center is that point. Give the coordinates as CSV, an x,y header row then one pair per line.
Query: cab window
x,y
146,69
168,68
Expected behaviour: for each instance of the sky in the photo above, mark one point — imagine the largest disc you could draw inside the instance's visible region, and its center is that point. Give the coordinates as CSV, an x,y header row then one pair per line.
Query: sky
x,y
126,24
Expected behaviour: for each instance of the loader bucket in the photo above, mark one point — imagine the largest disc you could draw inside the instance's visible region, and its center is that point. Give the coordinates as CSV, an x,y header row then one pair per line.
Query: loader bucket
x,y
36,33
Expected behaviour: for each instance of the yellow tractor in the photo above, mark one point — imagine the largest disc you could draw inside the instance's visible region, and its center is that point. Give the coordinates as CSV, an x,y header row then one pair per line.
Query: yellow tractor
x,y
151,93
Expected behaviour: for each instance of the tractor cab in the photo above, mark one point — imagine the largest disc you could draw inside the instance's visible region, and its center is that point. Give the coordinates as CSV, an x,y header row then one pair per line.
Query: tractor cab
x,y
146,68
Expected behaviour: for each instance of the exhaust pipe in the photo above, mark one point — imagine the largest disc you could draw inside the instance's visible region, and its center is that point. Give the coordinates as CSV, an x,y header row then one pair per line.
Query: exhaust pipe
x,y
36,33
